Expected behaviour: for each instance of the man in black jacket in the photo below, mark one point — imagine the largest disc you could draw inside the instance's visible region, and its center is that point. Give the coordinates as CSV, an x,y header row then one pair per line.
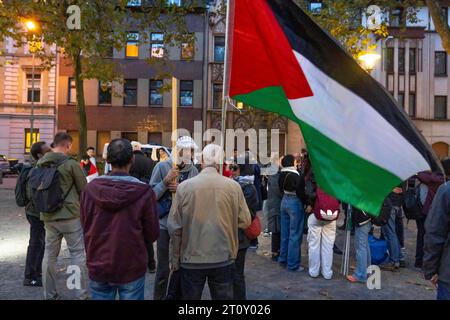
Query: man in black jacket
x,y
143,166
436,262
142,169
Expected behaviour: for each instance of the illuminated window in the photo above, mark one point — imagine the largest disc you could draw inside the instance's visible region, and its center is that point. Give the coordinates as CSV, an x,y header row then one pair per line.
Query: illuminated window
x,y
72,95
174,2
157,45
132,50
187,51
37,87
28,142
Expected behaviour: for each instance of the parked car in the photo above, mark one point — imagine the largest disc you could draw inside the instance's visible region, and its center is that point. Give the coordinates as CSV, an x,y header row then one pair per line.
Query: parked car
x,y
152,148
4,165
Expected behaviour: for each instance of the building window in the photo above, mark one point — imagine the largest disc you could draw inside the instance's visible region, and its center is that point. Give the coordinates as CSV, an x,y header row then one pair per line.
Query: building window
x,y
157,45
186,93
412,60
134,3
28,142
315,7
103,137
401,99
34,95
412,105
130,92
440,107
72,94
156,96
395,17
217,96
104,92
187,51
219,49
389,60
174,2
130,136
401,60
132,49
440,63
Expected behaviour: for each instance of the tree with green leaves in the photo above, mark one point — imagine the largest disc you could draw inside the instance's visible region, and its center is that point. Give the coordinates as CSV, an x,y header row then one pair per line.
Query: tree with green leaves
x,y
87,34
342,18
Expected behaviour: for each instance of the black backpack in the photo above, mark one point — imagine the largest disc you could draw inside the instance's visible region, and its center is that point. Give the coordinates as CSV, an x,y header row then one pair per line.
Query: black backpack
x,y
412,206
385,213
21,187
46,188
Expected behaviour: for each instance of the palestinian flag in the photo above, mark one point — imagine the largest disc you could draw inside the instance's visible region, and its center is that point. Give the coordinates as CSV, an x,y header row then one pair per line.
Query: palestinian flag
x,y
361,143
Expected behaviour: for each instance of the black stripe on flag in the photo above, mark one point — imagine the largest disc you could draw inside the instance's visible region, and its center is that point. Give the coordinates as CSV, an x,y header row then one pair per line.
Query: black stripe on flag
x,y
321,49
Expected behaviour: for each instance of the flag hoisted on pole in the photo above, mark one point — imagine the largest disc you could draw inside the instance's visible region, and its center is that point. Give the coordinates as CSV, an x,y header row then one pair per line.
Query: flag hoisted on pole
x,y
361,143
226,71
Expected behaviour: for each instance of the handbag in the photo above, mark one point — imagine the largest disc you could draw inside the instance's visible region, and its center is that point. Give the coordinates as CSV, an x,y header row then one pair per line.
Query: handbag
x,y
254,230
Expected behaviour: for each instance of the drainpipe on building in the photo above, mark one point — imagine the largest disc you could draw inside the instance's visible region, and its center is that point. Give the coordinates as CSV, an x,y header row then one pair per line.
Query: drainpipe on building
x,y
55,122
205,70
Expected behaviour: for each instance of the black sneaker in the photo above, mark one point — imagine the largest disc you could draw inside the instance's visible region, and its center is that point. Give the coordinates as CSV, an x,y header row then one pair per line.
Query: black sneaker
x,y
32,283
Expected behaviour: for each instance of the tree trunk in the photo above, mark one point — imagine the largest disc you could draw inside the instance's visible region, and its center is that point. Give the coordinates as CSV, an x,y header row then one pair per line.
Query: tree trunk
x,y
441,26
81,106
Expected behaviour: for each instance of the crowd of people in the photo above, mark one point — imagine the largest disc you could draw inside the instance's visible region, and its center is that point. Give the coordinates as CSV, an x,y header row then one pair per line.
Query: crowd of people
x,y
204,217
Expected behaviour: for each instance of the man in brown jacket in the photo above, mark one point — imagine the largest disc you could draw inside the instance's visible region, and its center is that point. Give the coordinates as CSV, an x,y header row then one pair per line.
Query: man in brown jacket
x,y
203,225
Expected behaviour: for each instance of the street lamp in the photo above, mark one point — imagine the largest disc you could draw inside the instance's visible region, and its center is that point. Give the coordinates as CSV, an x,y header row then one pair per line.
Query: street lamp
x,y
31,27
368,60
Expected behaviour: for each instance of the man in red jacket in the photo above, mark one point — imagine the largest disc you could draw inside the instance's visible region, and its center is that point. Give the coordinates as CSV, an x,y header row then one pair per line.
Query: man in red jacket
x,y
118,214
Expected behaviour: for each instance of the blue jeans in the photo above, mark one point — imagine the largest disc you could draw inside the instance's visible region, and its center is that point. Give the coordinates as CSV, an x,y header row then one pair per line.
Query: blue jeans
x,y
443,292
292,220
362,248
392,239
128,291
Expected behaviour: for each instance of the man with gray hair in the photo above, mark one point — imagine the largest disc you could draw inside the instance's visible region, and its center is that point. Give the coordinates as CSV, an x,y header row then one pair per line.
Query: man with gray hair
x,y
203,224
164,181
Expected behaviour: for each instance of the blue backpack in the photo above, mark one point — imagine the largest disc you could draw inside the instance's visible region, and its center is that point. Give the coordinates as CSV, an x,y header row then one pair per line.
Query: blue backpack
x,y
378,250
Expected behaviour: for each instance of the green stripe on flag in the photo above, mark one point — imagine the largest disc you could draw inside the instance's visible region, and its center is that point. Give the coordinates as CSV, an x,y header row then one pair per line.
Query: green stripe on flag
x,y
338,171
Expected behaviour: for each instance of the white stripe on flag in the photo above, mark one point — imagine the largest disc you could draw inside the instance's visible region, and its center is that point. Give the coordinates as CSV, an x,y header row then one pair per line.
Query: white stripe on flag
x,y
351,122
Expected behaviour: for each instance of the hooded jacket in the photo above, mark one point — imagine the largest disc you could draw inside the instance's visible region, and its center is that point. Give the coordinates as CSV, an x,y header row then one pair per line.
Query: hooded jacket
x,y
118,215
72,182
436,259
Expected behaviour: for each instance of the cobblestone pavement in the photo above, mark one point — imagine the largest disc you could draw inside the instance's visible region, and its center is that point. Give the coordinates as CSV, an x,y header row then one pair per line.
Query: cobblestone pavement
x,y
265,279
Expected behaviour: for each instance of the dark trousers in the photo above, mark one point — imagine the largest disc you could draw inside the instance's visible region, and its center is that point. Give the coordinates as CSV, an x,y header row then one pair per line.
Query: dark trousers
x,y
420,241
162,267
151,256
36,247
400,230
220,283
239,291
276,239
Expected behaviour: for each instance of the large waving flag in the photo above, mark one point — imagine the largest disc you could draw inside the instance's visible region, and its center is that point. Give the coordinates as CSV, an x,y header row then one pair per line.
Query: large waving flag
x,y
360,142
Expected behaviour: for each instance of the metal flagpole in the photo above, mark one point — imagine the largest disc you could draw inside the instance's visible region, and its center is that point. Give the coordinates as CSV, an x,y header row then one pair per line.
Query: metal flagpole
x,y
225,83
174,119
346,255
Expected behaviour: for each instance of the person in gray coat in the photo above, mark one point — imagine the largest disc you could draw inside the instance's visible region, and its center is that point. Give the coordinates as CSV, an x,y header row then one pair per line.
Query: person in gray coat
x,y
164,181
436,263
